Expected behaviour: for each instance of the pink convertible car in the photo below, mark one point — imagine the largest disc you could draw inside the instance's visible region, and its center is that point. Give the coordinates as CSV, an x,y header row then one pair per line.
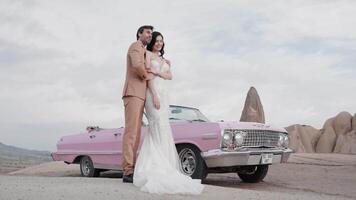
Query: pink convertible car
x,y
204,147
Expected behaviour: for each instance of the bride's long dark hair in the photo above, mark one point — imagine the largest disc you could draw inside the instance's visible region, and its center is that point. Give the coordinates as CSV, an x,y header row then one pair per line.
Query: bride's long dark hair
x,y
155,34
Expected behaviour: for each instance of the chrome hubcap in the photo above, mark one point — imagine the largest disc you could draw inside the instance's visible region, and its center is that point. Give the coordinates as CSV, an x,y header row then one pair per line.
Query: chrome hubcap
x,y
86,167
188,161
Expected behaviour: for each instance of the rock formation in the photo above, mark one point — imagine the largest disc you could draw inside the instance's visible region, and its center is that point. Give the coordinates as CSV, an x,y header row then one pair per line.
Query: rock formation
x,y
342,125
327,141
303,138
253,109
338,135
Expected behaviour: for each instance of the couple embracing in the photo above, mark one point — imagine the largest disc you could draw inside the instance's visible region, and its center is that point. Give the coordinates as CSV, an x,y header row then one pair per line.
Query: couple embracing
x,y
157,167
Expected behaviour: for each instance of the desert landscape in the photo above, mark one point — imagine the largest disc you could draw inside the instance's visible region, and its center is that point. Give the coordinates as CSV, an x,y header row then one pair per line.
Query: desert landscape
x,y
69,67
322,167
305,176
338,134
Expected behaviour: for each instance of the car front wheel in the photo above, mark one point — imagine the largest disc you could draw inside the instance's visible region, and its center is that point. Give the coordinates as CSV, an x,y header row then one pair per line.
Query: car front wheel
x,y
87,168
192,164
254,174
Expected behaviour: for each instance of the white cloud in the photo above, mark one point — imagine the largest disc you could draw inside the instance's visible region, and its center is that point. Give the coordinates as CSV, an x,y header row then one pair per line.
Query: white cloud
x,y
62,64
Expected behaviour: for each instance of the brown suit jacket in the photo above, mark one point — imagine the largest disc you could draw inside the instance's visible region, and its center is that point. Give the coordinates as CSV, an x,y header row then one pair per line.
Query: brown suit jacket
x,y
136,74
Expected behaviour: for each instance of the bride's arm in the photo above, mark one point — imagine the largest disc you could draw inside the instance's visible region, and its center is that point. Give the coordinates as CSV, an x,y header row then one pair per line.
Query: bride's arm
x,y
150,83
155,98
166,75
150,76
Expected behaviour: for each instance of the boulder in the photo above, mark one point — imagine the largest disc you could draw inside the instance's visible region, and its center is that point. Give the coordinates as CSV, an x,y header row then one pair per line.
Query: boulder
x,y
341,143
342,123
314,134
303,138
348,142
338,135
329,122
295,141
327,141
253,109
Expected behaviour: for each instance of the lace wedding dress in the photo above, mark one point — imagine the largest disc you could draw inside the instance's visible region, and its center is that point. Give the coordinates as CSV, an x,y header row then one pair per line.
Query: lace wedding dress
x,y
157,167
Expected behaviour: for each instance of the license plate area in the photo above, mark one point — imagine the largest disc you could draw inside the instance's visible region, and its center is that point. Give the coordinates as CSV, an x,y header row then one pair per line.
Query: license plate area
x,y
266,158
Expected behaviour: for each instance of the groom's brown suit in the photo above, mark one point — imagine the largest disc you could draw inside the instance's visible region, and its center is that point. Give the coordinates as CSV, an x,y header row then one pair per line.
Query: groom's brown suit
x,y
134,96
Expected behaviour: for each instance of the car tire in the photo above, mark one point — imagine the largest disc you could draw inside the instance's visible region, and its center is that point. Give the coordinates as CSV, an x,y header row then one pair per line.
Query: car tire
x,y
191,162
258,174
87,167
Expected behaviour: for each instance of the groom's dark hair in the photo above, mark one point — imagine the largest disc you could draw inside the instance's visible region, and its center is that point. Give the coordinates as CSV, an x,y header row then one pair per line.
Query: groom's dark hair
x,y
140,30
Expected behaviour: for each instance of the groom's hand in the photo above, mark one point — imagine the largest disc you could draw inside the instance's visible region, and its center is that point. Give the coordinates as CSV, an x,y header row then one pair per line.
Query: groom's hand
x,y
150,76
153,71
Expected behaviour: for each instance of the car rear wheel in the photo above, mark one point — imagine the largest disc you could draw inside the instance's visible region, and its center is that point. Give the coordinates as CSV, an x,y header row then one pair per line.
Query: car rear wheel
x,y
87,168
192,164
254,174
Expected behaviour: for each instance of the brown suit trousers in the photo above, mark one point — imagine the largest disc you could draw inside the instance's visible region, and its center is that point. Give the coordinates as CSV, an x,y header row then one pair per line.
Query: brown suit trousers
x,y
134,95
131,140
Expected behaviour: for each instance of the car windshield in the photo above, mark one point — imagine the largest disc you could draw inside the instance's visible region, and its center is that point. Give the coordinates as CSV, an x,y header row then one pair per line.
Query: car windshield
x,y
180,113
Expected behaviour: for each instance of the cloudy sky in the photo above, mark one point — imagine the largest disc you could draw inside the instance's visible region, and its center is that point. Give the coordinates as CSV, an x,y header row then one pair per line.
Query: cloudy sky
x,y
62,63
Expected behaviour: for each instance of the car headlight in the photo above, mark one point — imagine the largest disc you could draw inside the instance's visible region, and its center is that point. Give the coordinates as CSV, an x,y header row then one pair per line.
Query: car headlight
x,y
227,139
232,139
239,138
280,140
283,140
286,141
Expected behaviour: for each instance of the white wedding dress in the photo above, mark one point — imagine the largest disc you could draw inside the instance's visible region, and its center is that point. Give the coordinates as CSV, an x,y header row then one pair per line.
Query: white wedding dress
x,y
157,167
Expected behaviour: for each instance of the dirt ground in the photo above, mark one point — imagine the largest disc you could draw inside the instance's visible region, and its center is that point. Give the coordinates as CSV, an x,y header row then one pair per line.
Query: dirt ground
x,y
305,176
332,174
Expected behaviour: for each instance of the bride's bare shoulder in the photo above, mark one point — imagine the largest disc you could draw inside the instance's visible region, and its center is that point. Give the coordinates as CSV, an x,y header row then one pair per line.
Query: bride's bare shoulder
x,y
149,53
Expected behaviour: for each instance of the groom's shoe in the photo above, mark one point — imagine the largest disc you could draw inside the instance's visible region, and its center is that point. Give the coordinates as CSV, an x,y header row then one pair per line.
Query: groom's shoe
x,y
127,178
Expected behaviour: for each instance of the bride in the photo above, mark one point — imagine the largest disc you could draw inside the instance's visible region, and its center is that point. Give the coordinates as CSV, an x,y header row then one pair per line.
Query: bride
x,y
157,167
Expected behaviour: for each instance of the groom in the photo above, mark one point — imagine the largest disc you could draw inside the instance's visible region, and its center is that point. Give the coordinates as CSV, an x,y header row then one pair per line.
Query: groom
x,y
134,96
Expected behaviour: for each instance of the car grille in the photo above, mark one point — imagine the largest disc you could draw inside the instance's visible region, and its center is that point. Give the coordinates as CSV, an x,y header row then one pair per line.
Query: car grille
x,y
259,138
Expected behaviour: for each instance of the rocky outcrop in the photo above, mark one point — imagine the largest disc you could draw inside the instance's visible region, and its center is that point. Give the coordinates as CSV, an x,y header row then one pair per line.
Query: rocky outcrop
x,y
253,109
338,135
342,126
327,141
303,138
342,123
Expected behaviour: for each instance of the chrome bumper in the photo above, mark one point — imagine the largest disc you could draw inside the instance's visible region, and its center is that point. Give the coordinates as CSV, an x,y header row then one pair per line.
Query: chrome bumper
x,y
219,158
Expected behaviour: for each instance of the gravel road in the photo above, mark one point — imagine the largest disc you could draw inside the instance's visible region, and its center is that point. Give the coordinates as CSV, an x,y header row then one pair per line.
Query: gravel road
x,y
305,176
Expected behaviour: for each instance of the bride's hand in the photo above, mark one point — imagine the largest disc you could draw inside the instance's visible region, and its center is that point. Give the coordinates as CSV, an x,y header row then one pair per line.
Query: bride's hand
x,y
156,102
168,62
153,71
150,76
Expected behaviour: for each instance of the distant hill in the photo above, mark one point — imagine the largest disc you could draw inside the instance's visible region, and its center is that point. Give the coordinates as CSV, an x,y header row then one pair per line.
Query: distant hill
x,y
14,158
